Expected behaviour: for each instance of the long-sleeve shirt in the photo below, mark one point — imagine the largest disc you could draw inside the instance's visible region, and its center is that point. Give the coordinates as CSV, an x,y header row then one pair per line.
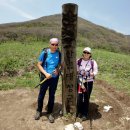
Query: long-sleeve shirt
x,y
86,67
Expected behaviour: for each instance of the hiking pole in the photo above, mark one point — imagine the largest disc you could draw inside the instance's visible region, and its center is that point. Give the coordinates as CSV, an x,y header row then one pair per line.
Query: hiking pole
x,y
41,82
82,88
91,123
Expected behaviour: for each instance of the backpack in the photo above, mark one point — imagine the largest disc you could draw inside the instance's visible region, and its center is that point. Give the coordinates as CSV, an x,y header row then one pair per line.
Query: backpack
x,y
80,60
45,55
41,75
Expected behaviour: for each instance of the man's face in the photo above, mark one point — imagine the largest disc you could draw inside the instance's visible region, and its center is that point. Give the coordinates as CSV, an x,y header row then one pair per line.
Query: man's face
x,y
53,46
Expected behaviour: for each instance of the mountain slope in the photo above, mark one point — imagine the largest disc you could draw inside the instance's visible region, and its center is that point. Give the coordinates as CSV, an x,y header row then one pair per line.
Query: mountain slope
x,y
89,34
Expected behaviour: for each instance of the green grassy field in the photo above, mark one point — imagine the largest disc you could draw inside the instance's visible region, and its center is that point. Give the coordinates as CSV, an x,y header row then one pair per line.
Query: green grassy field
x,y
18,65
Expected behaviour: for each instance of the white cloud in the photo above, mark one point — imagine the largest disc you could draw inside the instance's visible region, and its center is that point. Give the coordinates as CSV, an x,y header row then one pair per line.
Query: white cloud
x,y
7,1
13,0
17,10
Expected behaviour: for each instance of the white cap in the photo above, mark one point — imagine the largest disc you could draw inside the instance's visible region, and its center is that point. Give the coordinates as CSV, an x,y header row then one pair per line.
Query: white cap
x,y
54,40
88,49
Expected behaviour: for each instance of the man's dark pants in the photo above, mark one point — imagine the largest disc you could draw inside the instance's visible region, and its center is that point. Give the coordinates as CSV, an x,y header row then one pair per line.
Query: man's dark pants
x,y
52,85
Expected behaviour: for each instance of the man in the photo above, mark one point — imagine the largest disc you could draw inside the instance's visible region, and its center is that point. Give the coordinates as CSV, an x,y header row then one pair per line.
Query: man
x,y
49,69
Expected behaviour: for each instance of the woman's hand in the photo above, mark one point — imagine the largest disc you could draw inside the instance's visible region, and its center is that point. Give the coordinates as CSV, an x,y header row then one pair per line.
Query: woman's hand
x,y
92,74
83,73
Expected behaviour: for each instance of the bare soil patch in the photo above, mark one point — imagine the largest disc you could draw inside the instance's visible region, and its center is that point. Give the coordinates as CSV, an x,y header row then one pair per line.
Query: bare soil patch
x,y
18,107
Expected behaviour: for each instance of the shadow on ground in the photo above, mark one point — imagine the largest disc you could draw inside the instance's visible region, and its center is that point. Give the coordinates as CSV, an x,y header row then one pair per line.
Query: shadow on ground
x,y
94,111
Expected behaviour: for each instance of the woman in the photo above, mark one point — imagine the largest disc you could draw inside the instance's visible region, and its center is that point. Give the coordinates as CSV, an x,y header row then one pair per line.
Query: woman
x,y
87,69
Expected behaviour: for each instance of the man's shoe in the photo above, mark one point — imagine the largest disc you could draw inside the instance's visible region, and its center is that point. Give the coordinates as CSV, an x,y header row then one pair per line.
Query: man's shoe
x,y
84,118
38,115
51,118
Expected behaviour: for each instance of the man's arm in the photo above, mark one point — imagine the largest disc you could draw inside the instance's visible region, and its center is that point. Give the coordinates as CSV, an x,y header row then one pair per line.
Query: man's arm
x,y
39,65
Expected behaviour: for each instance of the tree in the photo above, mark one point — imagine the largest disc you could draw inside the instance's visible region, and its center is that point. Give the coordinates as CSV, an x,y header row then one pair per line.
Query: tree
x,y
69,34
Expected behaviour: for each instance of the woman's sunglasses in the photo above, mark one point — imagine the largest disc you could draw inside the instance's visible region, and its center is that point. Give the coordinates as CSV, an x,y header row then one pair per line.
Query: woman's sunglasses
x,y
54,44
85,52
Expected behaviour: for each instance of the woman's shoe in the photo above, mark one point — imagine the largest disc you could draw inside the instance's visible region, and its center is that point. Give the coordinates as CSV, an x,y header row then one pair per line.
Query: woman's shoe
x,y
79,115
84,118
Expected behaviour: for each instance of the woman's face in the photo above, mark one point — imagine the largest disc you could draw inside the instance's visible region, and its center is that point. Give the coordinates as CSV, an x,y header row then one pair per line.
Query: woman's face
x,y
86,55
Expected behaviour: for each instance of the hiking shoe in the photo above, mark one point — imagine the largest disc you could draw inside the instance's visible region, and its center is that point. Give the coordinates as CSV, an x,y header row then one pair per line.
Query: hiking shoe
x,y
79,115
51,118
38,115
84,118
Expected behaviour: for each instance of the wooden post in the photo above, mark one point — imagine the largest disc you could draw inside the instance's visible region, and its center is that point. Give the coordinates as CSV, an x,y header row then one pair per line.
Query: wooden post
x,y
69,34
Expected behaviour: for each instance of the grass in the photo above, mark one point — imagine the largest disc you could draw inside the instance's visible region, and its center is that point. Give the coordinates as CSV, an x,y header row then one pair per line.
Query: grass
x,y
16,57
113,67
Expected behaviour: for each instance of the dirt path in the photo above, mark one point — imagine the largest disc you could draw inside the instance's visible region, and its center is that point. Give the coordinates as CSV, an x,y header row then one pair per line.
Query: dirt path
x,y
17,110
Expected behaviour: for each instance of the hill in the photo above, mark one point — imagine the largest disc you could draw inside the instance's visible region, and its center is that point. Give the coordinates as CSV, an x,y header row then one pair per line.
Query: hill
x,y
89,34
18,72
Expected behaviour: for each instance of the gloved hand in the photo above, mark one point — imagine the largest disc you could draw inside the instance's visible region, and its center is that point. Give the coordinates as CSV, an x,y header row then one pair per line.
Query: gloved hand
x,y
87,74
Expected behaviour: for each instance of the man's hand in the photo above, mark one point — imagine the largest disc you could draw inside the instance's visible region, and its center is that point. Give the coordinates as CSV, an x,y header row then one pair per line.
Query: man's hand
x,y
48,76
56,72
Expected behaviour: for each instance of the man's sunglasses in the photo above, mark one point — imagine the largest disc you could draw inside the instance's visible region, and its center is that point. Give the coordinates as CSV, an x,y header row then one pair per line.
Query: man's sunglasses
x,y
54,44
85,52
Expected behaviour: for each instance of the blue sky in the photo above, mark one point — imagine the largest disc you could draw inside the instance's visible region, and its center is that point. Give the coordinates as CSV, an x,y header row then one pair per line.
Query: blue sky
x,y
113,14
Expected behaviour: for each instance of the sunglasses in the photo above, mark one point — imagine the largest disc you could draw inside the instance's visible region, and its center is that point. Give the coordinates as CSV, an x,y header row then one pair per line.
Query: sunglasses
x,y
54,44
85,52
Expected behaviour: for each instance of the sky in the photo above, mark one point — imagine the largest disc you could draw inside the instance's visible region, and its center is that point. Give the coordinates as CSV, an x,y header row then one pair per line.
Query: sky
x,y
112,14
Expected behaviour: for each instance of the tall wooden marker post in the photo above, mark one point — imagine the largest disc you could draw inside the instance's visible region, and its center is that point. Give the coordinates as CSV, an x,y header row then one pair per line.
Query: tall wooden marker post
x,y
69,34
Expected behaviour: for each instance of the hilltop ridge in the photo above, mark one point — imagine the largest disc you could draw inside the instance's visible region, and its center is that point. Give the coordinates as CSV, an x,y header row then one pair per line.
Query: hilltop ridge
x,y
89,34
